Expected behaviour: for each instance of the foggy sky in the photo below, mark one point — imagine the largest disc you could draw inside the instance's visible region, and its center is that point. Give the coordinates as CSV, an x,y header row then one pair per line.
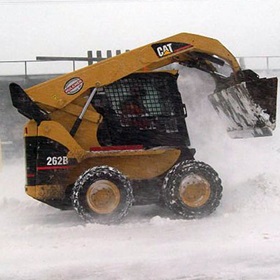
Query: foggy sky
x,y
70,28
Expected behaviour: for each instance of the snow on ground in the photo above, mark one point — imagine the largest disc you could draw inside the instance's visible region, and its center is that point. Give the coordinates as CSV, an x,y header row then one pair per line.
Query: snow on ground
x,y
241,240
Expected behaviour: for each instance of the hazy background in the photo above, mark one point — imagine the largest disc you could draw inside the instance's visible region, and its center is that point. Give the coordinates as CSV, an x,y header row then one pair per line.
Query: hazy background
x,y
70,28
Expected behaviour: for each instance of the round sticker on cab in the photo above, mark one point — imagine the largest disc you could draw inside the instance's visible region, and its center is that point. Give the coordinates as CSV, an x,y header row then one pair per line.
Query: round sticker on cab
x,y
73,86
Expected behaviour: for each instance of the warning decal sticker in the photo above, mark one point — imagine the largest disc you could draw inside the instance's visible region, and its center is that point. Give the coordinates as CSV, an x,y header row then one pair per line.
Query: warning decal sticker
x,y
73,86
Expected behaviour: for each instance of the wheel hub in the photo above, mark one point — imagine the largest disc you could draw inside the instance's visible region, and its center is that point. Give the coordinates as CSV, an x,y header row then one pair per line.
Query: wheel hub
x,y
194,190
103,196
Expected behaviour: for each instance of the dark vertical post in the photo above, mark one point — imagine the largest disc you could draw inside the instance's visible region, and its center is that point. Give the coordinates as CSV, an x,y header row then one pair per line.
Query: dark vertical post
x,y
98,56
89,56
25,68
109,53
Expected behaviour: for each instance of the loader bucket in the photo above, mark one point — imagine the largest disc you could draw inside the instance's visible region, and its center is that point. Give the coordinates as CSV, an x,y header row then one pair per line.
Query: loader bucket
x,y
249,108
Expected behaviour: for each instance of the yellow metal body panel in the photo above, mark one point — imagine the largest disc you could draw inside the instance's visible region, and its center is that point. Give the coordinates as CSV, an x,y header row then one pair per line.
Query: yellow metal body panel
x,y
136,164
31,129
44,192
86,136
53,93
55,131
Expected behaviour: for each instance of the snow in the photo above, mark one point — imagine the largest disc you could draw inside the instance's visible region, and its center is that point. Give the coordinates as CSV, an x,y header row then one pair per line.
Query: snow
x,y
241,240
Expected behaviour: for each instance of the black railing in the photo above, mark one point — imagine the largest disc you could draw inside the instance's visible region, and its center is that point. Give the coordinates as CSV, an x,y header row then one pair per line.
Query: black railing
x,y
24,67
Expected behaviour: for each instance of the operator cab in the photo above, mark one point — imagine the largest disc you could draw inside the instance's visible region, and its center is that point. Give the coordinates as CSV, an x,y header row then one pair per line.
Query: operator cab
x,y
142,109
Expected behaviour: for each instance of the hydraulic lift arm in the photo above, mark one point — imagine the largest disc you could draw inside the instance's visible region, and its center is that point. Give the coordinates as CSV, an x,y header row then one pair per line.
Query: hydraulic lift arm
x,y
60,91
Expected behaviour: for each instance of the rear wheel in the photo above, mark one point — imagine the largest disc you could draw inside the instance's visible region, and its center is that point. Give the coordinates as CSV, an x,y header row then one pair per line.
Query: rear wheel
x,y
103,195
192,189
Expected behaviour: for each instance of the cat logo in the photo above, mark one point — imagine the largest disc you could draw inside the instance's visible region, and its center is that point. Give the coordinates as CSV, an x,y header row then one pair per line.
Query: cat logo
x,y
165,49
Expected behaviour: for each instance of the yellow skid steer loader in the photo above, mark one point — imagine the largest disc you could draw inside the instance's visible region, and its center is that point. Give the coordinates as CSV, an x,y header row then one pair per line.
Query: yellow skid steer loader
x,y
113,134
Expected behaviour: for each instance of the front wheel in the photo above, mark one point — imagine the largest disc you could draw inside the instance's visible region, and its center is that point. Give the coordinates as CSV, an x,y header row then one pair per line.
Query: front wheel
x,y
192,189
102,195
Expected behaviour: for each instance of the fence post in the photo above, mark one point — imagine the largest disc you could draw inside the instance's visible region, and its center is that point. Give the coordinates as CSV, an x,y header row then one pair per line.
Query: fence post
x,y
267,63
89,55
25,68
98,55
109,53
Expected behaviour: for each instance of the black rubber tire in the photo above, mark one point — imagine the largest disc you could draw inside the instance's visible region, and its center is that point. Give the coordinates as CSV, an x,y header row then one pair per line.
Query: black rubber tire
x,y
171,185
93,175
